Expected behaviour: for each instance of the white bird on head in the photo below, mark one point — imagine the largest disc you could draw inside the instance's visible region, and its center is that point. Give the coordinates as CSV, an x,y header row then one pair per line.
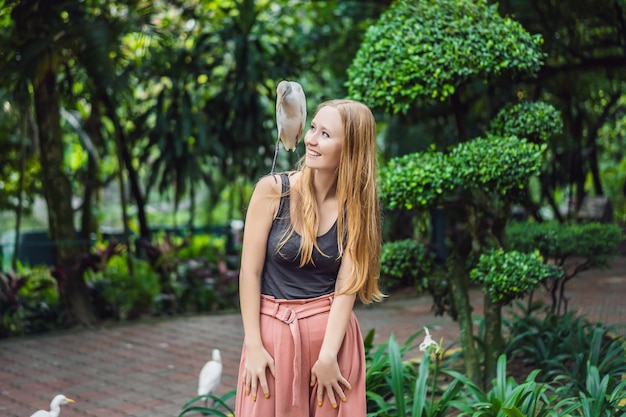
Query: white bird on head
x,y
210,375
55,407
290,116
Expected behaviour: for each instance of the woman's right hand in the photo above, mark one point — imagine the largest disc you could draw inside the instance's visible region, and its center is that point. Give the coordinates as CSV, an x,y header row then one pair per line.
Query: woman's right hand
x,y
257,360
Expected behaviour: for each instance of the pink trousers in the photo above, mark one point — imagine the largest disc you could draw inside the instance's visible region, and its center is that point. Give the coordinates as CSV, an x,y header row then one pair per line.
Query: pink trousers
x,y
292,332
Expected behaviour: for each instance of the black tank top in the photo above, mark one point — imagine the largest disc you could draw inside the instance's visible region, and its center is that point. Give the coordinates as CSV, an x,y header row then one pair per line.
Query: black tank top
x,y
283,278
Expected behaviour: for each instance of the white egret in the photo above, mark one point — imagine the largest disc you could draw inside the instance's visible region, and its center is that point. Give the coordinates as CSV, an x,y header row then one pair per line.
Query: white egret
x,y
210,375
55,407
290,116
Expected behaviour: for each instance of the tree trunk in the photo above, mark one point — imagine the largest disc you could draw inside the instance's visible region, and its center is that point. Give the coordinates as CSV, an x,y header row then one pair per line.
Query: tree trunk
x,y
463,308
133,176
58,195
593,142
93,185
20,191
135,189
494,342
89,223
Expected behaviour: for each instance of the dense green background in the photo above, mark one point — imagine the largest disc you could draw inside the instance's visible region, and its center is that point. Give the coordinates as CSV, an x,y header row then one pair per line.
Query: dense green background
x,y
128,116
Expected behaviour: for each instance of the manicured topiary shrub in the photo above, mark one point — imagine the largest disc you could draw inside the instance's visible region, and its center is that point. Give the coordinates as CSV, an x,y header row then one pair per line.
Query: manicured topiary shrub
x,y
535,121
506,276
576,247
425,50
595,242
405,263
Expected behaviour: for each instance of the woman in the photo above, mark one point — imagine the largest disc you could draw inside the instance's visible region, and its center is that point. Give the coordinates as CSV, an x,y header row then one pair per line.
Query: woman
x,y
311,244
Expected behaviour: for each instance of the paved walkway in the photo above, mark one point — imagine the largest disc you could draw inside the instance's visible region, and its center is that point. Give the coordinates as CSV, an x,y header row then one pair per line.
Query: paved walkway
x,y
151,368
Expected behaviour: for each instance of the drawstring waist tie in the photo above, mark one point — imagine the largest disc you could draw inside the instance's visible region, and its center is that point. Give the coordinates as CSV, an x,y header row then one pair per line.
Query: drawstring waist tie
x,y
289,312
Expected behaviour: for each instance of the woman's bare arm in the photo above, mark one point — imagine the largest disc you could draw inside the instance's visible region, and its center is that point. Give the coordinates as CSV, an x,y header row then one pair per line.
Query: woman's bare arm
x,y
261,211
325,371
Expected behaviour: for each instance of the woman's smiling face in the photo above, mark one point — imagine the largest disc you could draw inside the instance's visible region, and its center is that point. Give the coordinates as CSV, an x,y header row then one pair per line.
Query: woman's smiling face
x,y
324,139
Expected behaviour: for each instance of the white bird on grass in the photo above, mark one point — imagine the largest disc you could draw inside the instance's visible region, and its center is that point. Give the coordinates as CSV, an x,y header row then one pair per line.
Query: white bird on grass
x,y
210,375
55,407
290,116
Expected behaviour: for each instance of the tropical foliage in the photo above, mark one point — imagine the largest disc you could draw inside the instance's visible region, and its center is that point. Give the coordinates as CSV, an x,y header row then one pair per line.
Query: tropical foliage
x,y
402,382
123,107
119,113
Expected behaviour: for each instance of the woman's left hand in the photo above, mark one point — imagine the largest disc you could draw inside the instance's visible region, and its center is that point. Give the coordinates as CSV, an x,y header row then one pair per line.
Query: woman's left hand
x,y
326,374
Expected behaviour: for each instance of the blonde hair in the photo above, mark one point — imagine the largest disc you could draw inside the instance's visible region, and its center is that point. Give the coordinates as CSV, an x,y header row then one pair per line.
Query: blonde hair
x,y
359,216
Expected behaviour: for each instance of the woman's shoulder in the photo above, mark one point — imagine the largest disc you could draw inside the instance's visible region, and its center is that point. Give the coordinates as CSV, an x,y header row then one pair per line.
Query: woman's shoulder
x,y
268,184
273,182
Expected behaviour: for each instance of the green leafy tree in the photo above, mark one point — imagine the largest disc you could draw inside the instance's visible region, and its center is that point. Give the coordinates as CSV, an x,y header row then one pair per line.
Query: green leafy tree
x,y
583,76
19,175
164,95
211,81
477,182
612,161
41,37
506,276
425,51
538,122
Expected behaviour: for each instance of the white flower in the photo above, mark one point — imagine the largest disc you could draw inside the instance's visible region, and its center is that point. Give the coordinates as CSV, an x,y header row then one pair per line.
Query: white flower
x,y
428,341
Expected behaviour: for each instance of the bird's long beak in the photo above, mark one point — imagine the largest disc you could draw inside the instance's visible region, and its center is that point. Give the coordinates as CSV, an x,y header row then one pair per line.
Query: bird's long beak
x,y
69,400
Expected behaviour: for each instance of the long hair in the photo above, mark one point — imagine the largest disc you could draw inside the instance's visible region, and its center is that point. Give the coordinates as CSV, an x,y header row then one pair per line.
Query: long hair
x,y
359,214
